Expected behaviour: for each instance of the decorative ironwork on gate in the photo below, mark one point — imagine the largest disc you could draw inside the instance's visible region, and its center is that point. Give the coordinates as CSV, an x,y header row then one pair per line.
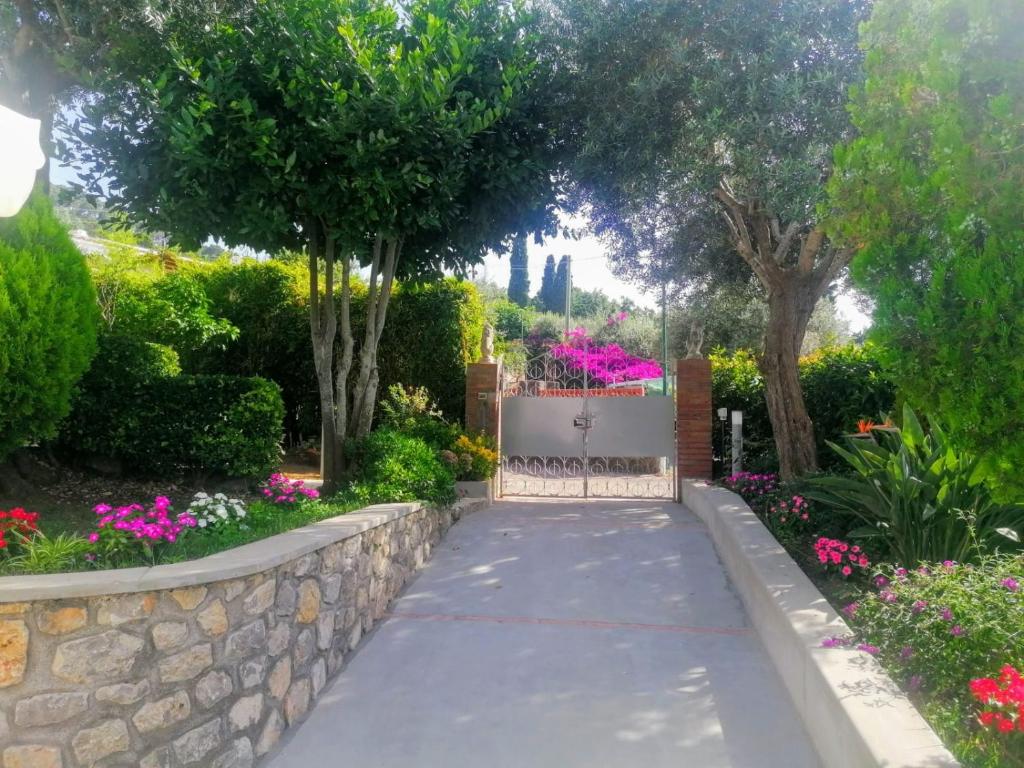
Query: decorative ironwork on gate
x,y
562,436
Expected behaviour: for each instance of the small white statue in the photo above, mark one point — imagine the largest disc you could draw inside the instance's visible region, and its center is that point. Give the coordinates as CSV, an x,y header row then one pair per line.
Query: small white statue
x,y
487,345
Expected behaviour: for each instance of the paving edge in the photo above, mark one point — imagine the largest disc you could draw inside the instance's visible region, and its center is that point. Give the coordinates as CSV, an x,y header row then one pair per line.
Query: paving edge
x,y
854,713
239,562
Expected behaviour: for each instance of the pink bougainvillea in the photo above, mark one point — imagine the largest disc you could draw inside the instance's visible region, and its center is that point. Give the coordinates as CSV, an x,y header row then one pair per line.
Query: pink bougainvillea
x,y
604,364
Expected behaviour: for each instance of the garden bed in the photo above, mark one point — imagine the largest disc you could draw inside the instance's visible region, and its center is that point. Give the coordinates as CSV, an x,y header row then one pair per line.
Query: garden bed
x,y
205,662
947,631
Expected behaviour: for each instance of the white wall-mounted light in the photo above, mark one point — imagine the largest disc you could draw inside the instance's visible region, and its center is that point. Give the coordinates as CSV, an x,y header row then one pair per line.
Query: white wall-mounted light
x,y
21,157
723,414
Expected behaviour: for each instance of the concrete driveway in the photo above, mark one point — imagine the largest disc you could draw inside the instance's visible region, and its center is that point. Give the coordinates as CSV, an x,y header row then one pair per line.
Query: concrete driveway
x,y
560,634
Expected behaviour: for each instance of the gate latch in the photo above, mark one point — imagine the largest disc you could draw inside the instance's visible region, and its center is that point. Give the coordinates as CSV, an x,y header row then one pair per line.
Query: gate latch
x,y
583,422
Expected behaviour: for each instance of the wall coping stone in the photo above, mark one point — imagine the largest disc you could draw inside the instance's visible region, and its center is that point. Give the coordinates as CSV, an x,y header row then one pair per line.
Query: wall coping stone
x,y
856,716
246,560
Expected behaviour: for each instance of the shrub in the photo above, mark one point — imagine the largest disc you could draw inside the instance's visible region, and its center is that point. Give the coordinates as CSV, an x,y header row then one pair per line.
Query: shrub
x,y
472,458
131,407
412,411
510,320
937,628
918,497
841,384
390,466
48,319
217,511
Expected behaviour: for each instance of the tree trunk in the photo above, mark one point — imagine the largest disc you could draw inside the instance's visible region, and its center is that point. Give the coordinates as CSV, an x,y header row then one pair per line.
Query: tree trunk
x,y
789,310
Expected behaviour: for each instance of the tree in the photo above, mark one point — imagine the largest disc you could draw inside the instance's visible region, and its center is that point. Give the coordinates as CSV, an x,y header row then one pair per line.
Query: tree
x,y
930,193
51,51
560,286
519,277
402,140
702,125
545,296
48,321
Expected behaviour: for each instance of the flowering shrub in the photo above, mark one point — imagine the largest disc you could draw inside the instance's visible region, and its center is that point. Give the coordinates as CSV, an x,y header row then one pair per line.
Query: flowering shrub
x,y
18,522
752,486
604,365
472,458
134,527
279,489
835,553
793,510
1003,698
937,627
216,511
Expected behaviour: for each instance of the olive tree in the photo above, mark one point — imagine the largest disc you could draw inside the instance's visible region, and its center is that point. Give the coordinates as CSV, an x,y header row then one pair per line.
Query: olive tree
x,y
694,125
400,139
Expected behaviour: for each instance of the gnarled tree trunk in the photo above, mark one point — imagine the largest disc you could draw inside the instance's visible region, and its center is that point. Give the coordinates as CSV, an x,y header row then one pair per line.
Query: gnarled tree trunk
x,y
795,265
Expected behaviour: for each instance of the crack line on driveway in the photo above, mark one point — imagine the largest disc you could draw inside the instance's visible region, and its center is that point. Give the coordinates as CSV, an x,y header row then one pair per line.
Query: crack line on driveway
x,y
579,623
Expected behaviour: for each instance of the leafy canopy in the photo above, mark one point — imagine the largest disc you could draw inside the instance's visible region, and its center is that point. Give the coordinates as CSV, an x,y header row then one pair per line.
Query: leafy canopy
x,y
930,191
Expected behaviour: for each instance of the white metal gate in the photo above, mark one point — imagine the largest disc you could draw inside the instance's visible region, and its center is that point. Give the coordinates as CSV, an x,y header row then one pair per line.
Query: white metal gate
x,y
561,436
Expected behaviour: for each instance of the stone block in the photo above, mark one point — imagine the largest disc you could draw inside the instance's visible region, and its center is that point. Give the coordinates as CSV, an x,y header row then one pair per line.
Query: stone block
x,y
122,693
160,757
287,599
325,631
187,664
309,602
169,634
13,651
280,678
50,708
233,589
213,619
62,621
252,673
331,588
212,688
13,609
195,745
107,738
318,676
260,599
296,703
162,713
122,609
239,755
189,598
304,645
245,712
271,733
98,658
279,638
32,756
247,640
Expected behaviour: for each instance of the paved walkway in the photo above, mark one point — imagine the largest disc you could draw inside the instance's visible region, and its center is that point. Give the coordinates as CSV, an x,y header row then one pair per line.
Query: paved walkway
x,y
560,634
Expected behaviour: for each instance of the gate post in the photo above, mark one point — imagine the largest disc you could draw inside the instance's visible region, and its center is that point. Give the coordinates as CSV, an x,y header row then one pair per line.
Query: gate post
x,y
483,399
693,418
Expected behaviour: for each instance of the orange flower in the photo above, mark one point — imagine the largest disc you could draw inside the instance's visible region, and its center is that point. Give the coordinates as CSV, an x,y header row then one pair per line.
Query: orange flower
x,y
864,426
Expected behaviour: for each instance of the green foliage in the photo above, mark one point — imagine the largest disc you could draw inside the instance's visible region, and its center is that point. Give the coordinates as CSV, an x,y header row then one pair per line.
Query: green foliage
x,y
433,333
929,192
841,386
546,297
391,466
918,497
48,321
519,274
132,407
511,321
413,412
40,553
941,664
639,334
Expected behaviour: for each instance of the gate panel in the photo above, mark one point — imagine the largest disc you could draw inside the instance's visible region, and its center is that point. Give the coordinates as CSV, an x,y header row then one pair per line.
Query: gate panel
x,y
560,437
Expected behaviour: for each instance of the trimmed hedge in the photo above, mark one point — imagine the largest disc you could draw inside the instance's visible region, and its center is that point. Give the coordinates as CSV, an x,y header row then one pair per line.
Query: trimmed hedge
x,y
48,319
841,384
390,466
131,406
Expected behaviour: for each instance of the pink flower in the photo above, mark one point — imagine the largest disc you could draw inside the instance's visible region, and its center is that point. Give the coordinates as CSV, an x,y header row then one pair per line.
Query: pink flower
x,y
847,570
93,538
881,581
919,606
868,648
956,631
907,653
946,614
851,609
1010,583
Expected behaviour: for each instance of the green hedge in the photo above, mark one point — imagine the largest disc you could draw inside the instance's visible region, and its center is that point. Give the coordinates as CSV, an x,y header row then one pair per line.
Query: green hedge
x,y
48,318
841,384
132,407
390,466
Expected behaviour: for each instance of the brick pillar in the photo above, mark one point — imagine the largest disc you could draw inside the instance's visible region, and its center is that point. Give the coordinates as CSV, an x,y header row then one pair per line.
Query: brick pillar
x,y
693,418
483,399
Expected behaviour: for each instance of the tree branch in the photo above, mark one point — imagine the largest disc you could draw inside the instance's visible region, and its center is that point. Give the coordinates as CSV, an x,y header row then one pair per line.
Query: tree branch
x,y
785,242
809,250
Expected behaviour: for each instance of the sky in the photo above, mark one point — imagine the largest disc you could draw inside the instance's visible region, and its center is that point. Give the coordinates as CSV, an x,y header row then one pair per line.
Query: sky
x,y
591,270
590,266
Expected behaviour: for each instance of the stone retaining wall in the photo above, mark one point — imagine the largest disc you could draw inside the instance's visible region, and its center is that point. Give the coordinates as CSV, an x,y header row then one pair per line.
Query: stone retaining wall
x,y
203,663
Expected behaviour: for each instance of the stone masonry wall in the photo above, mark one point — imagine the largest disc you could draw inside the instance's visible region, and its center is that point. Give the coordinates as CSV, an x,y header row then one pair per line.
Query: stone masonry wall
x,y
206,675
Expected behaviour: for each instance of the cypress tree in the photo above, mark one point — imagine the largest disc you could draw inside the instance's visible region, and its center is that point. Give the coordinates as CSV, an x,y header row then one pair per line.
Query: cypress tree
x,y
519,280
547,284
560,284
